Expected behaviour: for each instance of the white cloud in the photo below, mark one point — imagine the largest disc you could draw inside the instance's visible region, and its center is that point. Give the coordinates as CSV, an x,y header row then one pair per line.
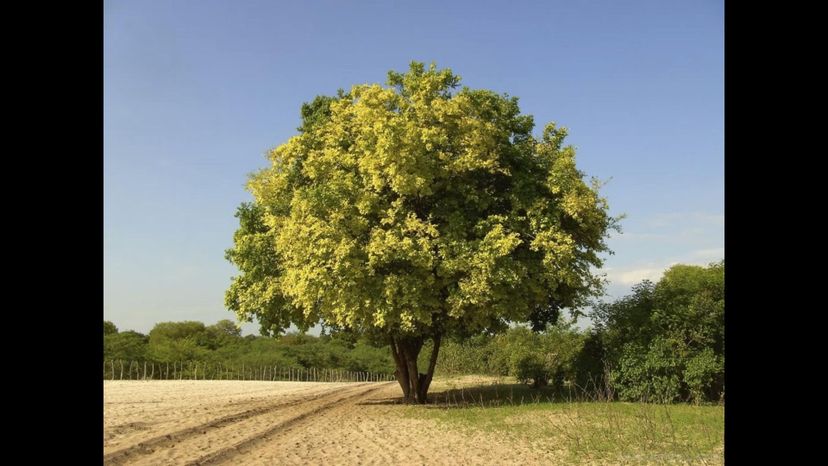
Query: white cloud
x,y
654,270
709,255
635,275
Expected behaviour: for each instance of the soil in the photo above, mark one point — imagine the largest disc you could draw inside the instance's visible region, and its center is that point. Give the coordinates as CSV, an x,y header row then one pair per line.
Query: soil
x,y
248,422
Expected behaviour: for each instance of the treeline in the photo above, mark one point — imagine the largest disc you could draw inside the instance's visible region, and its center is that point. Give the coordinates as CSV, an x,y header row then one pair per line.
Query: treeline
x,y
222,343
662,343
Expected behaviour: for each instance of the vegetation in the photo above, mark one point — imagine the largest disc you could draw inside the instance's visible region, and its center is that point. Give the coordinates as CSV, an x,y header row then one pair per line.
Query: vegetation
x,y
663,343
580,432
417,212
170,342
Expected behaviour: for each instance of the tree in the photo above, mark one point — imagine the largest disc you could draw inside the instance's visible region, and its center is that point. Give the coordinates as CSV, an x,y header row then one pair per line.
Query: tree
x,y
170,341
413,212
666,340
222,333
128,345
109,328
166,331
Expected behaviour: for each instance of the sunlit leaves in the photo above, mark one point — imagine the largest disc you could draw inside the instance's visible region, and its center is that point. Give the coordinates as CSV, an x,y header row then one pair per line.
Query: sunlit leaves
x,y
417,208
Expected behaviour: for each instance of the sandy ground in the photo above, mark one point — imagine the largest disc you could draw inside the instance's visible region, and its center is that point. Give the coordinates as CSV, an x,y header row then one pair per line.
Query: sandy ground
x,y
245,422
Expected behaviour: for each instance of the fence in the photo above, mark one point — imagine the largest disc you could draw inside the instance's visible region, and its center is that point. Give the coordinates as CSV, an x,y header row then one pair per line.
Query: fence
x,y
196,370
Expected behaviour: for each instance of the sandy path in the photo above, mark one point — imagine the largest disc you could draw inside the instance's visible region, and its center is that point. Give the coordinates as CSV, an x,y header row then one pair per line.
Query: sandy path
x,y
171,422
214,422
370,430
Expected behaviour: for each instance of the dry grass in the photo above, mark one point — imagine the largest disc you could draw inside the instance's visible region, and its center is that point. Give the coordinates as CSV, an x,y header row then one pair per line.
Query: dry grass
x,y
473,420
582,432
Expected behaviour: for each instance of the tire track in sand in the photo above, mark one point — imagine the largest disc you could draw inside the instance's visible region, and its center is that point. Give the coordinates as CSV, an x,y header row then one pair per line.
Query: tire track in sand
x,y
227,453
151,446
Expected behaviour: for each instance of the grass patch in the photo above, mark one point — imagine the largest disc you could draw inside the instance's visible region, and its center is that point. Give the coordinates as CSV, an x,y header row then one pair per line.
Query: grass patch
x,y
603,432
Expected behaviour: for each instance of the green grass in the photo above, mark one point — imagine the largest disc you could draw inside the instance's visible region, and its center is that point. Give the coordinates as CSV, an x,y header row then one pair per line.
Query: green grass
x,y
594,431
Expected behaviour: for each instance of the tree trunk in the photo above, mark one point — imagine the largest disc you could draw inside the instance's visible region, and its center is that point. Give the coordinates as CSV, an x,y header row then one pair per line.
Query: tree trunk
x,y
401,373
414,384
432,363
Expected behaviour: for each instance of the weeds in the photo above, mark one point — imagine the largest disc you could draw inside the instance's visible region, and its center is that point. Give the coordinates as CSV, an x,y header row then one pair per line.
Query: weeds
x,y
587,427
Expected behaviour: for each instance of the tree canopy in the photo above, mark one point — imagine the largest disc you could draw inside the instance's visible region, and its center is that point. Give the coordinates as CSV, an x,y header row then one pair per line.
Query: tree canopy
x,y
415,211
109,328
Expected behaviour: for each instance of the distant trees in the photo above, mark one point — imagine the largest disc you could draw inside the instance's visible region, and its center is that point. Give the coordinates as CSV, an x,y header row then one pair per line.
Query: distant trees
x,y
544,358
170,342
126,345
109,328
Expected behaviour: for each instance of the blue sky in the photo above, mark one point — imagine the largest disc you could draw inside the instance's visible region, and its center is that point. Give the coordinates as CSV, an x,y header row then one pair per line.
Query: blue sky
x,y
195,93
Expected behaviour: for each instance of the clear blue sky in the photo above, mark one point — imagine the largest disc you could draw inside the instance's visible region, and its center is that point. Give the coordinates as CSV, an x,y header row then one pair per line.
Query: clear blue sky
x,y
195,93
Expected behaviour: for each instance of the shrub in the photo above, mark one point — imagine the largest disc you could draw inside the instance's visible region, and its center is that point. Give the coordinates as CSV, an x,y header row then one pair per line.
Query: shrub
x,y
704,376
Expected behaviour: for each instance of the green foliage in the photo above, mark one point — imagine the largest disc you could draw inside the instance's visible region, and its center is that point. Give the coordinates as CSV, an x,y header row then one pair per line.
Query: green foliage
x,y
546,358
471,356
109,328
176,342
704,376
590,370
170,350
650,374
222,333
126,345
665,342
417,209
176,331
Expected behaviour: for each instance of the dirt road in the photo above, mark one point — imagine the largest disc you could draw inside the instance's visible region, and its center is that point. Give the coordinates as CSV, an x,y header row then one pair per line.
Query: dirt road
x,y
233,422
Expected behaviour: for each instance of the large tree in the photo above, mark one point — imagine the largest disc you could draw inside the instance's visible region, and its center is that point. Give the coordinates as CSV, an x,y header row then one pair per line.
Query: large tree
x,y
417,211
